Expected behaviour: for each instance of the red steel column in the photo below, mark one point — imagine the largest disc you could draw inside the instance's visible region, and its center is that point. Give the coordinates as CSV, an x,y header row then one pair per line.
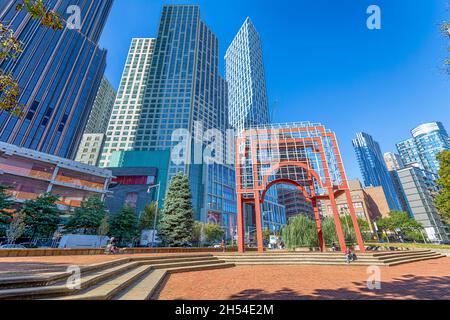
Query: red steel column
x,y
240,224
359,238
322,243
312,191
337,220
259,226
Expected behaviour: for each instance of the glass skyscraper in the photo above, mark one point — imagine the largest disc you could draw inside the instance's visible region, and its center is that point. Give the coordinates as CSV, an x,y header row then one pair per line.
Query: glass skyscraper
x,y
373,168
171,83
59,73
248,102
428,140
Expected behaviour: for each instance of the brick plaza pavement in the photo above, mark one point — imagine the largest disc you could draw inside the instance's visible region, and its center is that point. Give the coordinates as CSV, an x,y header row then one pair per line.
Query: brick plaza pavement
x,y
422,280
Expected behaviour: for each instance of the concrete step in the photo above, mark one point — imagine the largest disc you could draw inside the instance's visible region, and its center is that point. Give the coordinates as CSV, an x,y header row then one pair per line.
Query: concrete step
x,y
109,288
147,287
416,259
47,279
156,262
384,259
62,289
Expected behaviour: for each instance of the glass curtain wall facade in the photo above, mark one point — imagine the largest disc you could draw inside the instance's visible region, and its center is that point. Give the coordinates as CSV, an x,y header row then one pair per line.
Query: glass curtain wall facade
x,y
422,149
373,168
59,73
244,64
248,104
172,83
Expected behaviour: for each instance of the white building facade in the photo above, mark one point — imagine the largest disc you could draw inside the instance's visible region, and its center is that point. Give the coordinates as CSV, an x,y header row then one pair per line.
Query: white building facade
x,y
124,121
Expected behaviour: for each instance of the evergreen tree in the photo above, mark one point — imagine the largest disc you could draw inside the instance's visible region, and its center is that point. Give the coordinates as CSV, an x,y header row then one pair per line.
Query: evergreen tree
x,y
6,203
124,225
176,226
87,218
42,215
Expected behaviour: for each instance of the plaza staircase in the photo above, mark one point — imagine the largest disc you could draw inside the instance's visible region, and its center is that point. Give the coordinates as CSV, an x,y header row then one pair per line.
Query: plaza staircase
x,y
388,258
140,278
124,279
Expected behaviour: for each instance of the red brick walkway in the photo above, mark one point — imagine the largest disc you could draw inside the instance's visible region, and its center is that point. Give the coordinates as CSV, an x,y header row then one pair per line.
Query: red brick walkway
x,y
423,280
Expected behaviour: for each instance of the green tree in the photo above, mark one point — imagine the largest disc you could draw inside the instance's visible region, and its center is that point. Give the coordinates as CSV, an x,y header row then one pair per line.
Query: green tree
x,y
124,225
442,201
42,216
6,204
147,221
401,224
87,218
197,232
103,229
300,232
175,228
16,228
10,48
266,234
330,234
213,232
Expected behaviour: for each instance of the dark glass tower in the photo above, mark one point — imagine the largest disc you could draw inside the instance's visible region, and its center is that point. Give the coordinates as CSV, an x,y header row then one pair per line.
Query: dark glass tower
x,y
373,168
59,73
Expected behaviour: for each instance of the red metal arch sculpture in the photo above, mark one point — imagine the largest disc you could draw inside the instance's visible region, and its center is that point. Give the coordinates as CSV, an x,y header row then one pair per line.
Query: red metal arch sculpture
x,y
251,143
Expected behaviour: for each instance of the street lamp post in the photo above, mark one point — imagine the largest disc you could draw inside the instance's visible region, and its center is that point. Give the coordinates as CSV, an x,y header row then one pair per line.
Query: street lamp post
x,y
157,211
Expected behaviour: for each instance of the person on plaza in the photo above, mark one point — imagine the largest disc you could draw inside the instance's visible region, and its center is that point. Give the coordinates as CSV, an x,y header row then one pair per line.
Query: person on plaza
x,y
350,256
111,248
334,247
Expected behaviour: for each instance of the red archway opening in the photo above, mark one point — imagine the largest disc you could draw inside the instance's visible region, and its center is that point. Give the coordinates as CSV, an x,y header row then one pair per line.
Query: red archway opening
x,y
308,198
316,150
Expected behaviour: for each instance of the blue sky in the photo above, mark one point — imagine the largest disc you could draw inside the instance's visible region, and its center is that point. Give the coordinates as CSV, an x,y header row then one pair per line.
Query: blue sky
x,y
322,63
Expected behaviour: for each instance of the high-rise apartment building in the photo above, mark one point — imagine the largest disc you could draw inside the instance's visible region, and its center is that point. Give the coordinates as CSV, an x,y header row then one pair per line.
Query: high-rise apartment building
x,y
102,109
93,139
393,161
420,188
294,202
248,104
171,83
124,121
373,167
244,64
428,140
59,72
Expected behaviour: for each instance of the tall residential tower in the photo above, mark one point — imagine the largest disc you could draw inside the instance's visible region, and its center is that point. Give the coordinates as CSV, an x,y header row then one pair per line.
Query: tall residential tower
x,y
248,104
94,136
59,72
244,64
428,140
172,83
